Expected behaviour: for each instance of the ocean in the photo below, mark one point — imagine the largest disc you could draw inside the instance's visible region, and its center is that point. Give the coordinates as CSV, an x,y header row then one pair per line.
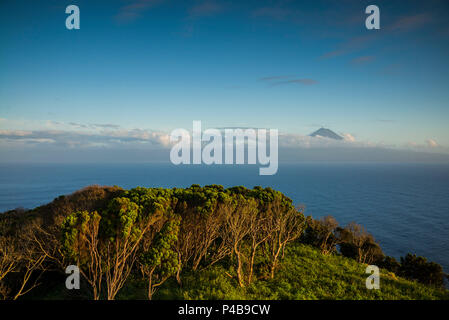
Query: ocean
x,y
405,206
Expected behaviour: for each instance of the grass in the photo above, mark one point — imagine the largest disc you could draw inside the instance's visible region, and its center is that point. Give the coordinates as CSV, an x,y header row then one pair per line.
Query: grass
x,y
304,274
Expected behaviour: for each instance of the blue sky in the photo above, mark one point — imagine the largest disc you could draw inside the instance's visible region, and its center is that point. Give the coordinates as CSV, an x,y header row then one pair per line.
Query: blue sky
x,y
138,67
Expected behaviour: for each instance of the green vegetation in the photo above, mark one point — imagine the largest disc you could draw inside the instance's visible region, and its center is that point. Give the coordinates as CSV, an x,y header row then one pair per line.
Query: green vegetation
x,y
197,243
305,274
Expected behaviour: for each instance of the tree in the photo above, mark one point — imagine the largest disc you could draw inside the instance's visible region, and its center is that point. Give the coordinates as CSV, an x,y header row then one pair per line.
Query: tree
x,y
80,238
8,264
237,213
391,264
417,268
258,233
20,259
285,224
105,246
201,210
186,246
161,260
357,243
321,234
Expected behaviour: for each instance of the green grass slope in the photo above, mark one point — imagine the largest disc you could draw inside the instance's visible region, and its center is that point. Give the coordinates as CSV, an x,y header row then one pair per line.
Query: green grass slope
x,y
304,274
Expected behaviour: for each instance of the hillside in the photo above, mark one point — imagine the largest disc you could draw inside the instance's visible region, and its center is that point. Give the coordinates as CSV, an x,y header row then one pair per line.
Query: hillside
x,y
197,243
305,274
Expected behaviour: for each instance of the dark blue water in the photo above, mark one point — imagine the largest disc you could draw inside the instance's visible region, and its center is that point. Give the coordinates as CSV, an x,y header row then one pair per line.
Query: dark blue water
x,y
406,207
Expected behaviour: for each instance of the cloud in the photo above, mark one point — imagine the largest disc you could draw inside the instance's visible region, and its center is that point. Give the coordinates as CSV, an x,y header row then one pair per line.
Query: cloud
x,y
135,9
351,45
432,143
18,133
273,80
94,126
287,140
348,137
362,60
107,126
304,81
114,138
139,138
403,24
147,145
426,146
78,125
409,23
206,8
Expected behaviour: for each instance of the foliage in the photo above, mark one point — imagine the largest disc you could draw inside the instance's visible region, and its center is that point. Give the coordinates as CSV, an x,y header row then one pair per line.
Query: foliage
x,y
357,243
304,274
391,264
322,234
417,268
198,243
161,261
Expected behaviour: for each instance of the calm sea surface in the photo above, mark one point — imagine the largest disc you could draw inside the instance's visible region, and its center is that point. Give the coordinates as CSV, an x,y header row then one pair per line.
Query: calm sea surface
x,y
406,207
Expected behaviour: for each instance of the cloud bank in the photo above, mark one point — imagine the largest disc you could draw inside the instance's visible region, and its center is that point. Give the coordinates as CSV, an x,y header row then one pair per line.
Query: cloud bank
x,y
109,142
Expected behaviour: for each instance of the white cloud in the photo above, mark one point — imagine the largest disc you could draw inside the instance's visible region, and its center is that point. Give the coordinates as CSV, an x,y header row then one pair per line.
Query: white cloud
x,y
432,143
73,139
300,141
429,145
348,137
75,135
16,133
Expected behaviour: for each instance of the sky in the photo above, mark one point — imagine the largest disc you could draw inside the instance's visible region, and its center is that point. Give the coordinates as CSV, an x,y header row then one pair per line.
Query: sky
x,y
137,69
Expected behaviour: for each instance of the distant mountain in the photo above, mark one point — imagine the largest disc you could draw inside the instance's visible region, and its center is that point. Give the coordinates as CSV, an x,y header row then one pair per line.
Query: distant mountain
x,y
326,133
